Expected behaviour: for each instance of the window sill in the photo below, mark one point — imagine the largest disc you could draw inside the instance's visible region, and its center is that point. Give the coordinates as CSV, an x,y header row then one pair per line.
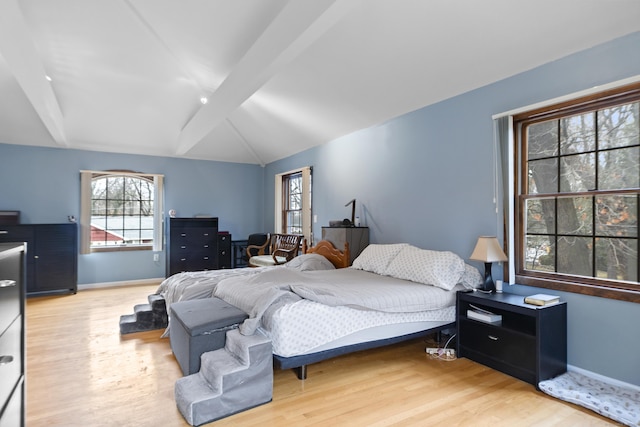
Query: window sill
x,y
122,248
597,290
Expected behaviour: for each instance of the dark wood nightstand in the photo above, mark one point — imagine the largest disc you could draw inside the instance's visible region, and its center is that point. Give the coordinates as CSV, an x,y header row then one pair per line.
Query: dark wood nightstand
x,y
530,343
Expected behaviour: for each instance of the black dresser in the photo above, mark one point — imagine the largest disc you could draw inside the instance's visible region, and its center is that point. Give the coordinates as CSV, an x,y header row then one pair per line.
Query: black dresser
x,y
12,362
52,255
192,245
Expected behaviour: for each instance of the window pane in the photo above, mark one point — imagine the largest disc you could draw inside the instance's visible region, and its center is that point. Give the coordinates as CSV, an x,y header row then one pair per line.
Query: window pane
x,y
617,259
577,134
618,169
617,216
618,126
543,176
574,255
542,139
539,253
541,216
115,222
578,173
122,210
575,216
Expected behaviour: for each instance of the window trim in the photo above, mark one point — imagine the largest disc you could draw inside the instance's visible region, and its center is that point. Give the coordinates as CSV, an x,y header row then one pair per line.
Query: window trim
x,y
86,177
619,290
286,208
307,196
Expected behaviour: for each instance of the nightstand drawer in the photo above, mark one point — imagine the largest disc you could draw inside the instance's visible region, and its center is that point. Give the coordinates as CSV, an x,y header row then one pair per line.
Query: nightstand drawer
x,y
503,345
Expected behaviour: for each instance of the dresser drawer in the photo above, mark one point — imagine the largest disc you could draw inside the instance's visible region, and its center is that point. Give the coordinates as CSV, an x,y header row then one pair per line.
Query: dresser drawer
x,y
9,302
12,415
10,358
504,345
10,270
198,235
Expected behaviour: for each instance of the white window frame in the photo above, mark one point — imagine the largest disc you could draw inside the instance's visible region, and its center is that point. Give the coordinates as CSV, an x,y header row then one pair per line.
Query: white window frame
x,y
86,177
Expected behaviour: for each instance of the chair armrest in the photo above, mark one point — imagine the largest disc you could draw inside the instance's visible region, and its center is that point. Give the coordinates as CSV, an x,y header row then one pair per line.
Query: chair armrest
x,y
261,249
288,254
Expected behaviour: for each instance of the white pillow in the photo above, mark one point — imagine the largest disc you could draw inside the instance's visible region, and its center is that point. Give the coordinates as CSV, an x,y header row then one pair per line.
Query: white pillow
x,y
310,262
471,278
376,258
438,268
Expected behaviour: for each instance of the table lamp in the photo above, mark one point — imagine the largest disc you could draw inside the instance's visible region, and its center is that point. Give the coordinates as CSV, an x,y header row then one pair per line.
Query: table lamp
x,y
488,250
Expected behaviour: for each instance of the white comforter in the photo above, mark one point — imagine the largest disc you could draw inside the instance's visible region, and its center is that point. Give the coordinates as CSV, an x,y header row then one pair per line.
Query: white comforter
x,y
345,287
200,284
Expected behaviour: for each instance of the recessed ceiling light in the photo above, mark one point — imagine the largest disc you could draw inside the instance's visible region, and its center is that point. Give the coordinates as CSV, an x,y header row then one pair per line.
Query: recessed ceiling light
x,y
204,100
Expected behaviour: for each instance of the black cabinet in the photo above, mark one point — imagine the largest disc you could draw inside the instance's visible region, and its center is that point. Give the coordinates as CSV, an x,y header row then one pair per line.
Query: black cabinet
x,y
12,362
529,343
192,245
239,249
224,250
52,255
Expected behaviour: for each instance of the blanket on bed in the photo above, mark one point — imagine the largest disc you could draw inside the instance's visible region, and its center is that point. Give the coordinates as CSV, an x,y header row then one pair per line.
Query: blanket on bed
x,y
200,284
344,287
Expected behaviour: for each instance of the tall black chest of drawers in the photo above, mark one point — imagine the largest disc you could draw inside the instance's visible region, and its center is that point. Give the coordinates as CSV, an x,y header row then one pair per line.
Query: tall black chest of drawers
x,y
12,364
192,245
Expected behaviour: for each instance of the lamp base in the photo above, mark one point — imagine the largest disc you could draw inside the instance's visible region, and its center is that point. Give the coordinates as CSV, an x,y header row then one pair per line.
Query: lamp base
x,y
488,285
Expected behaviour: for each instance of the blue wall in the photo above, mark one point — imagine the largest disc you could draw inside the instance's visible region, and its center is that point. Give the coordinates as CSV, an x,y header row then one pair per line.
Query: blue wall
x,y
44,184
427,178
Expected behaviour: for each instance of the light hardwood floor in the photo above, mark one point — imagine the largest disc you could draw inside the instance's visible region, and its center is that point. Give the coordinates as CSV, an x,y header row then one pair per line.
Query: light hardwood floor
x,y
81,372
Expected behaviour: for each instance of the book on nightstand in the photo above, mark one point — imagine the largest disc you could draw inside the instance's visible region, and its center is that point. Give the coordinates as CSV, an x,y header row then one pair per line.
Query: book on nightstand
x,y
542,299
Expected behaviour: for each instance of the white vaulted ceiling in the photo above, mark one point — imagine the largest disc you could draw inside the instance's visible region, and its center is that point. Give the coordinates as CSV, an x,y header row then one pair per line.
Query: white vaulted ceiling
x,y
280,76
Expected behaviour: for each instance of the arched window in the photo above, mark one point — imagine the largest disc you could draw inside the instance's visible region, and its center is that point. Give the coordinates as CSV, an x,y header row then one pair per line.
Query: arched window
x,y
121,210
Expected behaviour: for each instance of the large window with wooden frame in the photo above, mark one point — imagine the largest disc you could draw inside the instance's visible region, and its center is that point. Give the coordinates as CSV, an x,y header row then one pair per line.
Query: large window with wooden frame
x,y
577,195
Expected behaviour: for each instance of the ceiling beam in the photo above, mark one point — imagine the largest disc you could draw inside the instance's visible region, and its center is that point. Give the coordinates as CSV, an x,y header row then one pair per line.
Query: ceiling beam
x,y
299,24
20,54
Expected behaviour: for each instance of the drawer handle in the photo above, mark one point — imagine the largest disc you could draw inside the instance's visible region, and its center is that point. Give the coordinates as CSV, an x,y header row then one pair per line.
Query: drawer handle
x,y
183,259
7,283
4,232
5,360
183,247
493,337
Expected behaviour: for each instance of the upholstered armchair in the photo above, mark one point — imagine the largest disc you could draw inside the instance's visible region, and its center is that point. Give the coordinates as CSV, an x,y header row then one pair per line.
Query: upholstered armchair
x,y
282,248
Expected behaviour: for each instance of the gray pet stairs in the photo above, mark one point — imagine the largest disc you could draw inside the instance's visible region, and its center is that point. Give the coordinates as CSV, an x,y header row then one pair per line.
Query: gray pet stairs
x,y
232,379
146,317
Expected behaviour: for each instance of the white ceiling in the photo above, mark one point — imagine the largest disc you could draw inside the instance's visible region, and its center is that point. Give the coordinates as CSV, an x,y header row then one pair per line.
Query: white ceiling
x,y
281,76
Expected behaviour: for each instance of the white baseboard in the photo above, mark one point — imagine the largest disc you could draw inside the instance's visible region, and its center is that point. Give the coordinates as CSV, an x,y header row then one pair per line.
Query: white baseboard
x,y
140,282
602,378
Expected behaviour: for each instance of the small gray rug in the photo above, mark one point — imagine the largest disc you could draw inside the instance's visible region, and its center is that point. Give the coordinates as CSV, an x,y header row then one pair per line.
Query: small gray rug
x,y
618,403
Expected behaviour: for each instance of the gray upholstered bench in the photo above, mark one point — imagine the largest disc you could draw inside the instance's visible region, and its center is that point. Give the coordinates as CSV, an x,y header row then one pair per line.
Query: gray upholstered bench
x,y
199,326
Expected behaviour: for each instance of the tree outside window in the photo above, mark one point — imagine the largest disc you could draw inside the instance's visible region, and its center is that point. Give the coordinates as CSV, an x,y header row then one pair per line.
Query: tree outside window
x,y
578,204
292,212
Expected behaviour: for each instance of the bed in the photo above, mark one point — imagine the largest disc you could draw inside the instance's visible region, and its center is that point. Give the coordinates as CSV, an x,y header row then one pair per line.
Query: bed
x,y
390,294
317,306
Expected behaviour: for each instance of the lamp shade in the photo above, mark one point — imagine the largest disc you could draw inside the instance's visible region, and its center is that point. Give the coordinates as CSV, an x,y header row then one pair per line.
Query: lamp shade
x,y
488,250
